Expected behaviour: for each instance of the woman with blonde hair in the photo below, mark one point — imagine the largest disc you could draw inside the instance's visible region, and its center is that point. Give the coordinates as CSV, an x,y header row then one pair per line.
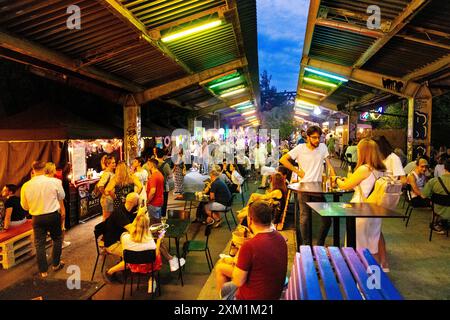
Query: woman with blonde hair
x,y
122,184
276,195
369,167
140,239
108,164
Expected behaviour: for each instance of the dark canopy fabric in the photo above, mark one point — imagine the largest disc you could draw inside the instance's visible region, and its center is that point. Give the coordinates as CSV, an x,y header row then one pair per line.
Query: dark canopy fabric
x,y
47,122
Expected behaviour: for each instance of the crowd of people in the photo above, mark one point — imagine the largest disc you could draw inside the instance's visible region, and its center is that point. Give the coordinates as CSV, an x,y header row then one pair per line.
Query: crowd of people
x,y
133,198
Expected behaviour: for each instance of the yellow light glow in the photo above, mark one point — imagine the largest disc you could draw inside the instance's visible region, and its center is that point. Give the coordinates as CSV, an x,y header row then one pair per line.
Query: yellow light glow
x,y
303,102
320,82
313,92
241,104
190,31
232,93
249,113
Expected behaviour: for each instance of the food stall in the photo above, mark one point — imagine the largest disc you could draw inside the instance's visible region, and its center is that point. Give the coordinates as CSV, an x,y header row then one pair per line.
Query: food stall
x,y
51,133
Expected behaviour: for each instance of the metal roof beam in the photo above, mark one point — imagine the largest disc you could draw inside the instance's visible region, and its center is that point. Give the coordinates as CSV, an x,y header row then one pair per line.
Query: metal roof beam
x,y
426,42
429,69
41,53
161,90
141,29
219,106
312,17
403,19
349,27
372,79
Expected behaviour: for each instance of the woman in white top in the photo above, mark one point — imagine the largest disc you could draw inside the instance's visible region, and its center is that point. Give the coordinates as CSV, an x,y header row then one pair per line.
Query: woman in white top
x,y
392,161
142,175
369,167
139,239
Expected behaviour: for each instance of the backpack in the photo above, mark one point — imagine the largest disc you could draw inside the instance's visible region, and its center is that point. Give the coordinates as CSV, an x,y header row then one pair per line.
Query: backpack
x,y
386,192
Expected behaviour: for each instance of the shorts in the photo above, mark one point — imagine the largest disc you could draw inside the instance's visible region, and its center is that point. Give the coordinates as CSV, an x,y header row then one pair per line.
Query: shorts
x,y
154,212
107,204
267,171
115,249
228,291
215,206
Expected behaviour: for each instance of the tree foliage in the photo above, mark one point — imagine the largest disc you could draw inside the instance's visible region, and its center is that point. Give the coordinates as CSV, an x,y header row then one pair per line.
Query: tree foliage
x,y
276,110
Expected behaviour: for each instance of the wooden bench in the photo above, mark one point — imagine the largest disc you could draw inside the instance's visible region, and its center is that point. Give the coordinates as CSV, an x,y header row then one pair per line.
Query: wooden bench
x,y
338,274
16,245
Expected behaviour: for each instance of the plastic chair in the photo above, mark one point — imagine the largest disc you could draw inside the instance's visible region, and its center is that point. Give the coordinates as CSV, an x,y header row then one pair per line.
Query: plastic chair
x,y
139,257
410,207
99,230
199,246
442,200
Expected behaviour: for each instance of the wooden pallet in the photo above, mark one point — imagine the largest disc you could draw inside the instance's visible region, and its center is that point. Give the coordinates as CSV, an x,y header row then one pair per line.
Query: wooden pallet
x,y
18,249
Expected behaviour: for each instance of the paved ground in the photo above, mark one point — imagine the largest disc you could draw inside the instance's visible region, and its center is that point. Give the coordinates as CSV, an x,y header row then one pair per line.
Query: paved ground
x,y
419,268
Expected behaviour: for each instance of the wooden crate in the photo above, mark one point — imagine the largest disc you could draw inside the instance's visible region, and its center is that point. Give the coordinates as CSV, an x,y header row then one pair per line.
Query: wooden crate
x,y
18,249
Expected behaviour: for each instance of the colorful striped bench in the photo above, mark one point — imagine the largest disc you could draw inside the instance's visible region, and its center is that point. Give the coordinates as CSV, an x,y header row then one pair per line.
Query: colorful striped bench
x,y
338,274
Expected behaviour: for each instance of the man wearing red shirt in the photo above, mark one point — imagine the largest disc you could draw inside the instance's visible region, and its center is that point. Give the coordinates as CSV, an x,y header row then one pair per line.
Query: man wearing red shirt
x,y
155,190
259,272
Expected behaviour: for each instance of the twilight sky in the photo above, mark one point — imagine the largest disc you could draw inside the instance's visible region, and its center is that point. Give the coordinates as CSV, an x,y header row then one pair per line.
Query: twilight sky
x,y
281,29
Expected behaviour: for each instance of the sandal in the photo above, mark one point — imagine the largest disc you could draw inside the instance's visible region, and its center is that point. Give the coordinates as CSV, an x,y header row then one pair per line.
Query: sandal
x,y
217,223
43,275
59,266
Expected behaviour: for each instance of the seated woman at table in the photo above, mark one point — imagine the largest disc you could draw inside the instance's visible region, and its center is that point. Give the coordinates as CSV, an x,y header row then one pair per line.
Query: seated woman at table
x,y
235,177
368,169
276,195
139,238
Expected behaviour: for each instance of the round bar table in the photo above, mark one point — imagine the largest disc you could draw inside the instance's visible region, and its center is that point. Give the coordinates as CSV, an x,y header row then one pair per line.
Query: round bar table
x,y
315,188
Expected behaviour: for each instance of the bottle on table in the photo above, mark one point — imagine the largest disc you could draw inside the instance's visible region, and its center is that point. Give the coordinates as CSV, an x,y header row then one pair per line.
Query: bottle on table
x,y
349,172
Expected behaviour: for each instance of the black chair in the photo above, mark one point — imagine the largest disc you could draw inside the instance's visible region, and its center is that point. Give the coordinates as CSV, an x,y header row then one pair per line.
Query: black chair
x,y
139,257
234,195
199,246
443,200
99,230
226,211
410,207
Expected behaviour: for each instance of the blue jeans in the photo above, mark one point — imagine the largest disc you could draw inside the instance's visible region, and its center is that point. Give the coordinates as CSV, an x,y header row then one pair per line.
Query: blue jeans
x,y
42,224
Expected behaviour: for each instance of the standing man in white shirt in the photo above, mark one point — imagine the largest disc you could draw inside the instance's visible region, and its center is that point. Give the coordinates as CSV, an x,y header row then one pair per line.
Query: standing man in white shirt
x,y
41,197
309,157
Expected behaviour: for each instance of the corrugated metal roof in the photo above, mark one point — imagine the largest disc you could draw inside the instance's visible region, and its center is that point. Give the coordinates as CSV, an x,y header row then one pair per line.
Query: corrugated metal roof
x,y
346,47
154,13
206,49
101,33
400,57
390,9
108,42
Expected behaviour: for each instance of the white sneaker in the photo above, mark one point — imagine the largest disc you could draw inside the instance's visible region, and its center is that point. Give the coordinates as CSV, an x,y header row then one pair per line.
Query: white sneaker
x,y
65,244
174,263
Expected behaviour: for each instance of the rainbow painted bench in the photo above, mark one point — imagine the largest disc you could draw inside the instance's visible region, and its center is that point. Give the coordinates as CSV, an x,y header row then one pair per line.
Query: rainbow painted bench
x,y
338,274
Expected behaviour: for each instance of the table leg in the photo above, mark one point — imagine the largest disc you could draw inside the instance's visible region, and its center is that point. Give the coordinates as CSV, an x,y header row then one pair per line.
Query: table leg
x,y
336,232
310,227
351,232
336,225
177,243
296,220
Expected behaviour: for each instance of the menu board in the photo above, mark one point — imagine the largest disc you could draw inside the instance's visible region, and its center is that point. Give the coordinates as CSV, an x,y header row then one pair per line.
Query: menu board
x,y
78,163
